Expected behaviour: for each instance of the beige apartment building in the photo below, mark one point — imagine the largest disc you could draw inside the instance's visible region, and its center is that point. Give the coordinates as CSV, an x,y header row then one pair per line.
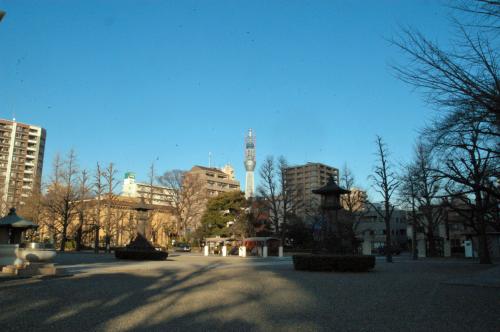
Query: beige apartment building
x,y
21,160
302,179
355,201
215,180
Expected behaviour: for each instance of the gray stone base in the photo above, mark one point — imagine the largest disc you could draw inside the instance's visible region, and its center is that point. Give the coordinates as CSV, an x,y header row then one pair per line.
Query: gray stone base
x,y
31,269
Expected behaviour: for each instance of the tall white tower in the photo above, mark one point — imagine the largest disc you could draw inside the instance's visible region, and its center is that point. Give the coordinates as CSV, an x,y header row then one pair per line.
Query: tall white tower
x,y
249,164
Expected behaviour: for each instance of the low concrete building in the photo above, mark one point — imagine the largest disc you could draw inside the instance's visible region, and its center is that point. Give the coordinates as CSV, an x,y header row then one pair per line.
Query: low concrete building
x,y
370,228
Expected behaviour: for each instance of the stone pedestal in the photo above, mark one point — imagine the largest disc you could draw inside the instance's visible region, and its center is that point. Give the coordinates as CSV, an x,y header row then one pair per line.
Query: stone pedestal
x,y
421,248
205,251
447,248
280,251
224,251
31,269
8,254
367,247
242,252
264,251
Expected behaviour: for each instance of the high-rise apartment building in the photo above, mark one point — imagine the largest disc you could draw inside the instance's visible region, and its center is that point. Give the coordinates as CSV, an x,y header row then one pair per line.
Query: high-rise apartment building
x,y
302,180
21,160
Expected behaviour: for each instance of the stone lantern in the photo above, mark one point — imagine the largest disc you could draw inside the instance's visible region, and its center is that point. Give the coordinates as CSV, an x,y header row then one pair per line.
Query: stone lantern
x,y
140,248
23,258
330,205
12,227
142,218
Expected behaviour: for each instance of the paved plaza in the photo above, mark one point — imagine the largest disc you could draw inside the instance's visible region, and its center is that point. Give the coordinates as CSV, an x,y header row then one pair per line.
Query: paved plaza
x,y
195,293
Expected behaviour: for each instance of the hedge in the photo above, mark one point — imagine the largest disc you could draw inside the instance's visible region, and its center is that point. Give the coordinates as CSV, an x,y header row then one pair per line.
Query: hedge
x,y
154,255
339,263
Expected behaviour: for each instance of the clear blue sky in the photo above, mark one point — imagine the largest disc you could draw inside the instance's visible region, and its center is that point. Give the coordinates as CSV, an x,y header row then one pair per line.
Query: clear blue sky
x,y
130,81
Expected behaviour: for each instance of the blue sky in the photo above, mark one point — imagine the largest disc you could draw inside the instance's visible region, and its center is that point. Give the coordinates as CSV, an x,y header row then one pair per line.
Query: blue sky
x,y
132,81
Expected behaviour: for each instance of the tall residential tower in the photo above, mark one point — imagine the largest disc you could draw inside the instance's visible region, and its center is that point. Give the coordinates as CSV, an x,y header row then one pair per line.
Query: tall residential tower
x,y
21,160
249,164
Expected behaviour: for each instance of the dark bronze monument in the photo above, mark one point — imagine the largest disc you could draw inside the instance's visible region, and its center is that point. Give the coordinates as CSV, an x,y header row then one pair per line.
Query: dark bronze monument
x,y
336,229
140,248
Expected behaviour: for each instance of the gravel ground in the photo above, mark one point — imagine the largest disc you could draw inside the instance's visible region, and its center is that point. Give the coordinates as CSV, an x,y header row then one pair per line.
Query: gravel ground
x,y
193,293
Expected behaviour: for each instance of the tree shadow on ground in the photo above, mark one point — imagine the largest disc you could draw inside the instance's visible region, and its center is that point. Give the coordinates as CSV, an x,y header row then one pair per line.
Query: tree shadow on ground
x,y
219,294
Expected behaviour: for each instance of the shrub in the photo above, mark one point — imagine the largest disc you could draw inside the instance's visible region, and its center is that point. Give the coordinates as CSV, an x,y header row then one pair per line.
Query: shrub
x,y
333,263
70,245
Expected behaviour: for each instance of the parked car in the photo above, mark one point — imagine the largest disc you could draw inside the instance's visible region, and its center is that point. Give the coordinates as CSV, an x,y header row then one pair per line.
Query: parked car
x,y
184,247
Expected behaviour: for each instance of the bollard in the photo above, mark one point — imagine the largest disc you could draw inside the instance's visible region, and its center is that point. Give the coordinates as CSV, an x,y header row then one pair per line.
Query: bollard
x,y
367,247
242,251
280,252
224,251
205,251
264,252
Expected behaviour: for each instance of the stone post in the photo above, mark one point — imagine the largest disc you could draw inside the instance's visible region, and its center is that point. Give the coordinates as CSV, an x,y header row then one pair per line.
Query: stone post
x,y
242,251
421,245
447,248
280,251
264,251
224,251
367,246
205,250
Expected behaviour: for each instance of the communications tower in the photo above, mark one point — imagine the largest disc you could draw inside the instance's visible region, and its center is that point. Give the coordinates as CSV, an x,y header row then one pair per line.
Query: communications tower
x,y
249,164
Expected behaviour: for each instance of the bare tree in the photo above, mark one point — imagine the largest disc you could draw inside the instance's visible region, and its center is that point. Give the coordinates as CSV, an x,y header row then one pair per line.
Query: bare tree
x,y
112,215
99,191
281,199
268,189
62,193
385,182
347,182
188,197
420,189
467,74
470,169
483,14
408,196
82,206
354,202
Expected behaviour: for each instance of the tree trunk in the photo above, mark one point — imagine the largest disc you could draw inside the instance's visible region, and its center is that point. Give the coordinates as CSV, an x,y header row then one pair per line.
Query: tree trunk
x,y
79,233
414,252
64,237
96,240
388,240
78,239
484,251
432,242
